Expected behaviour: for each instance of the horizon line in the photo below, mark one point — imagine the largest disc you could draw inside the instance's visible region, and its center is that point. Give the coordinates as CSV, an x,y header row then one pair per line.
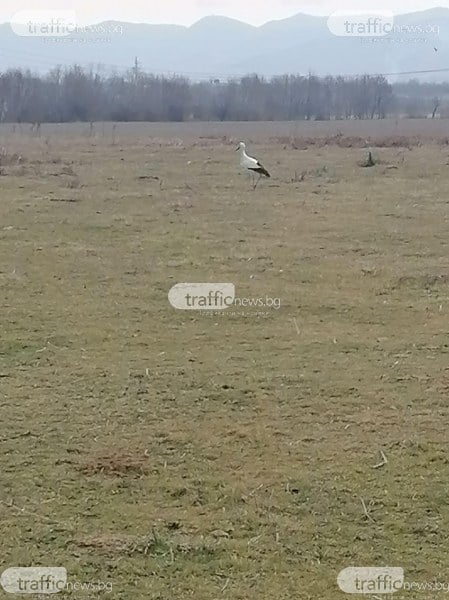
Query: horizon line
x,y
218,16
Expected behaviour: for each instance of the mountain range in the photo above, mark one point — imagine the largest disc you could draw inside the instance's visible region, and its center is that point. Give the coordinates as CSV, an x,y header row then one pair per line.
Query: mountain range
x,y
219,47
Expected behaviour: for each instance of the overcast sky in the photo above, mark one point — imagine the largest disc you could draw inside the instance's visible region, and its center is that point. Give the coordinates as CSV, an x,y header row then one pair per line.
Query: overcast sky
x,y
186,12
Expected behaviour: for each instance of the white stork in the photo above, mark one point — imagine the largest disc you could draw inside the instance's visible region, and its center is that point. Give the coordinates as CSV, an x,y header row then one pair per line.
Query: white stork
x,y
251,165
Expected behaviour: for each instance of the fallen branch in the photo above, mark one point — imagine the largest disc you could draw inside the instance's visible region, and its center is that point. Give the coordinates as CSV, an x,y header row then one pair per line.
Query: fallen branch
x,y
64,199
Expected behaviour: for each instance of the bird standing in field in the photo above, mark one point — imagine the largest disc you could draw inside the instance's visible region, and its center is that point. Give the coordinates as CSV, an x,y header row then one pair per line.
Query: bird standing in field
x,y
251,165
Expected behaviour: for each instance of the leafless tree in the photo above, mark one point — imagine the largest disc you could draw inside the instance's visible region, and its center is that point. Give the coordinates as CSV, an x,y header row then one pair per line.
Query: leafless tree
x,y
77,94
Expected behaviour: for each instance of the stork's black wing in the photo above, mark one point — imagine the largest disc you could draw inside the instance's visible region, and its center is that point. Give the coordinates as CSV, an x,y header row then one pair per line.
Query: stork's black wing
x,y
260,169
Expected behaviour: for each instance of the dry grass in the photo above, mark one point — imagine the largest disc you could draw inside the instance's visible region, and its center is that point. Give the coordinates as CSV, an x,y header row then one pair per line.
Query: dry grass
x,y
116,464
177,454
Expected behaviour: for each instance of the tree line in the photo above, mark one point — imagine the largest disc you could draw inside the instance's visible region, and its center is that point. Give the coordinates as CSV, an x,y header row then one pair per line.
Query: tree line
x,y
75,94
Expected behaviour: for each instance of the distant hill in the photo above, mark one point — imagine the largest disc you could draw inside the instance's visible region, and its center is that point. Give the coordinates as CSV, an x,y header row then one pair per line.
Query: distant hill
x,y
219,47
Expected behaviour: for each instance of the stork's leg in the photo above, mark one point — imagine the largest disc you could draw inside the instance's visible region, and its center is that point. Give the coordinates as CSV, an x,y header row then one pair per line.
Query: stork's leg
x,y
257,182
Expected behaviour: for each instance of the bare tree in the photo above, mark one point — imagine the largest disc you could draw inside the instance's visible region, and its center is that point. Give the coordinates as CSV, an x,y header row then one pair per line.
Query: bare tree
x,y
76,94
436,105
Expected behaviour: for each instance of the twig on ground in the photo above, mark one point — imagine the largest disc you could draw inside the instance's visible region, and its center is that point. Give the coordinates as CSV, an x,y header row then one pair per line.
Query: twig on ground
x,y
26,511
365,511
382,463
296,325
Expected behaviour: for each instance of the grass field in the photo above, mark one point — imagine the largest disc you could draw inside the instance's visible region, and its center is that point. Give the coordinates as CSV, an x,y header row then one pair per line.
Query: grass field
x,y
180,454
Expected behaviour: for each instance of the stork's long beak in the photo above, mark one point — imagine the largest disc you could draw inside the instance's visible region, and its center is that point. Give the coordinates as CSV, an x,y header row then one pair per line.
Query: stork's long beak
x,y
238,148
